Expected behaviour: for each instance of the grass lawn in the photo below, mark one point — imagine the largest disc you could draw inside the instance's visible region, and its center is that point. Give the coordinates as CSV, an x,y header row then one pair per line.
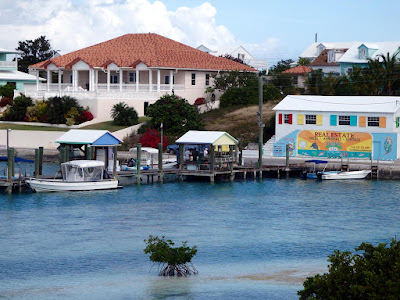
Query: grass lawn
x,y
99,126
29,127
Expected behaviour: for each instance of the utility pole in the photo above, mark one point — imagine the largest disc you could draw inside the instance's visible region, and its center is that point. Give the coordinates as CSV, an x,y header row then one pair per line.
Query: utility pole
x,y
260,123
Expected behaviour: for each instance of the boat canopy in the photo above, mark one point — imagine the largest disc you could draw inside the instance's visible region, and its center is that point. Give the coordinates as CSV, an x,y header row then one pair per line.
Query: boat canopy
x,y
148,155
317,161
82,170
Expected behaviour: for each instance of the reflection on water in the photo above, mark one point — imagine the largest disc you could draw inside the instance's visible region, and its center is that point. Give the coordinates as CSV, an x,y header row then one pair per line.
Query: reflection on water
x,y
255,239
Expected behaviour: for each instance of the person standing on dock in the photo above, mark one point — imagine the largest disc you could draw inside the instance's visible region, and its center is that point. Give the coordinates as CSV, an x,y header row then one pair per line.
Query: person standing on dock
x,y
187,154
205,152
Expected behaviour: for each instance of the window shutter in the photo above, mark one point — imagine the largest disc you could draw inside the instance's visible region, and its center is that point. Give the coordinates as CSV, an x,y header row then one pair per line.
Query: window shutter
x,y
319,119
290,119
361,121
280,118
300,119
382,122
353,120
397,122
333,120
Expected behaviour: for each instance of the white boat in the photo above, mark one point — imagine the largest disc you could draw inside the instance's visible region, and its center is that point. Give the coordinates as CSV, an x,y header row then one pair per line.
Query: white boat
x,y
312,172
346,175
148,160
77,175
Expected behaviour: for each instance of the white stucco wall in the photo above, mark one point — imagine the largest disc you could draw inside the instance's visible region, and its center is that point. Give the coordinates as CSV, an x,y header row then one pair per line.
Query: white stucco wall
x,y
281,130
30,139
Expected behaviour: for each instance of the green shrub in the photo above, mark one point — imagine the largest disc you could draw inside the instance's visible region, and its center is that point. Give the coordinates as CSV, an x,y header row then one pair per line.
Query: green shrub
x,y
124,115
176,259
7,90
271,92
176,114
372,273
17,111
58,108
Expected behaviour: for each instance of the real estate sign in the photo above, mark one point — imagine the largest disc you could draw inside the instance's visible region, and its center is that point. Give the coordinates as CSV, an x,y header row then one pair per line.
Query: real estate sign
x,y
334,144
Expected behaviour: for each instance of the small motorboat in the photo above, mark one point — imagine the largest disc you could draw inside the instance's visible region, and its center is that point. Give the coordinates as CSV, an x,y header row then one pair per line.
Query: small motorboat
x,y
312,173
148,160
345,175
77,175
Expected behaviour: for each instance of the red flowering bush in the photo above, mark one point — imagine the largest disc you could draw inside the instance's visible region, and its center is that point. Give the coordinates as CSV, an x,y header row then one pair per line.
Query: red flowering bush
x,y
85,116
200,101
151,138
6,101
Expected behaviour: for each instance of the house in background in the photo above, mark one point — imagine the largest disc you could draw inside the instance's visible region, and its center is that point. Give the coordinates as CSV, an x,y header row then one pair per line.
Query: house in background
x,y
342,57
9,71
134,68
327,61
240,53
299,75
338,126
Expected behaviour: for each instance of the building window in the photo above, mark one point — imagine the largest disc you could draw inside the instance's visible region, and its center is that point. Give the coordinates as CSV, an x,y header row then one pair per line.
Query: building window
x,y
344,120
363,53
193,78
373,121
166,79
132,77
331,57
311,119
286,119
114,78
207,79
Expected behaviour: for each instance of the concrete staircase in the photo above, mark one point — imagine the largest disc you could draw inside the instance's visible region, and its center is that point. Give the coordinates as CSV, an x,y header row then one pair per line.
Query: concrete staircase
x,y
268,147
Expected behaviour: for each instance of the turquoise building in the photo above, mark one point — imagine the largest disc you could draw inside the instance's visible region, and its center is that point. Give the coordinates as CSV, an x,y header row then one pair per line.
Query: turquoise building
x,y
9,71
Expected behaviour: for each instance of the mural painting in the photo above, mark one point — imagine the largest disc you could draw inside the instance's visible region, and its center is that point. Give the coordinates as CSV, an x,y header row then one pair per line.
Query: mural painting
x,y
334,144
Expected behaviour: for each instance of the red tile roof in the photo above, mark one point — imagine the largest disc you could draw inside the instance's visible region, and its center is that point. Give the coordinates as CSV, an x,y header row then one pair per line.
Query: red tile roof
x,y
152,49
298,70
322,59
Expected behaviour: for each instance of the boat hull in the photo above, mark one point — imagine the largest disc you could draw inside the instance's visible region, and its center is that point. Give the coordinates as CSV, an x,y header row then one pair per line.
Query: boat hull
x,y
54,185
346,175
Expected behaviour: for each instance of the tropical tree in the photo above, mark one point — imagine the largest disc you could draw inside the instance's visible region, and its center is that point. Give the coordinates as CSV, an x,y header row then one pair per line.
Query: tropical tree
x,y
172,260
391,75
304,61
371,273
124,115
176,114
34,51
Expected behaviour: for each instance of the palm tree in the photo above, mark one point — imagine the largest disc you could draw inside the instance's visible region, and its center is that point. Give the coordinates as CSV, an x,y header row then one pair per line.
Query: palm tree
x,y
392,69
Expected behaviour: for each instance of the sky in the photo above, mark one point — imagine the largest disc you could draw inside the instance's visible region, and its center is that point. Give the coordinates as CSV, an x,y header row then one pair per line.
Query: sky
x,y
269,29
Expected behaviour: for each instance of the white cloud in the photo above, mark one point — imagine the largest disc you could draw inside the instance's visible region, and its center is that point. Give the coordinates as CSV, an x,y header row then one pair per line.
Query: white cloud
x,y
73,25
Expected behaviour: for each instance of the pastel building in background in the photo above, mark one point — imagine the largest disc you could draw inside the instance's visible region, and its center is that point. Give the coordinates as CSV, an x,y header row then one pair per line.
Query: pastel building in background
x,y
361,127
340,58
9,71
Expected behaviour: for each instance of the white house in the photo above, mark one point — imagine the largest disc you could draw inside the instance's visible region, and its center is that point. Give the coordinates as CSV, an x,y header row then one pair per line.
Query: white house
x,y
338,126
342,57
238,52
134,68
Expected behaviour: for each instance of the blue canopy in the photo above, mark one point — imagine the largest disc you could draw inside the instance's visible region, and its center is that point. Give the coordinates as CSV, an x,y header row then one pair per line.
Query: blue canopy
x,y
317,161
16,159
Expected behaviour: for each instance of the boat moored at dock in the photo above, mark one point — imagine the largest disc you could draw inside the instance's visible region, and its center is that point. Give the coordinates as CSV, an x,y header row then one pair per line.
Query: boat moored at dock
x,y
78,175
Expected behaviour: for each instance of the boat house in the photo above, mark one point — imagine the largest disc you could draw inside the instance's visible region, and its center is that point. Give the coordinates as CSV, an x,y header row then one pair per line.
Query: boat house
x,y
338,126
91,144
211,148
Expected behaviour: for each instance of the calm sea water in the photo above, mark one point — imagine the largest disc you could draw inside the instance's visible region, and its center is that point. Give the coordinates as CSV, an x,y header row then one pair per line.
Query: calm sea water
x,y
255,239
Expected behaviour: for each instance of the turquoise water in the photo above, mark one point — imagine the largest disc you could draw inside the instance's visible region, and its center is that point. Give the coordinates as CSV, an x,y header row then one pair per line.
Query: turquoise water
x,y
255,239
